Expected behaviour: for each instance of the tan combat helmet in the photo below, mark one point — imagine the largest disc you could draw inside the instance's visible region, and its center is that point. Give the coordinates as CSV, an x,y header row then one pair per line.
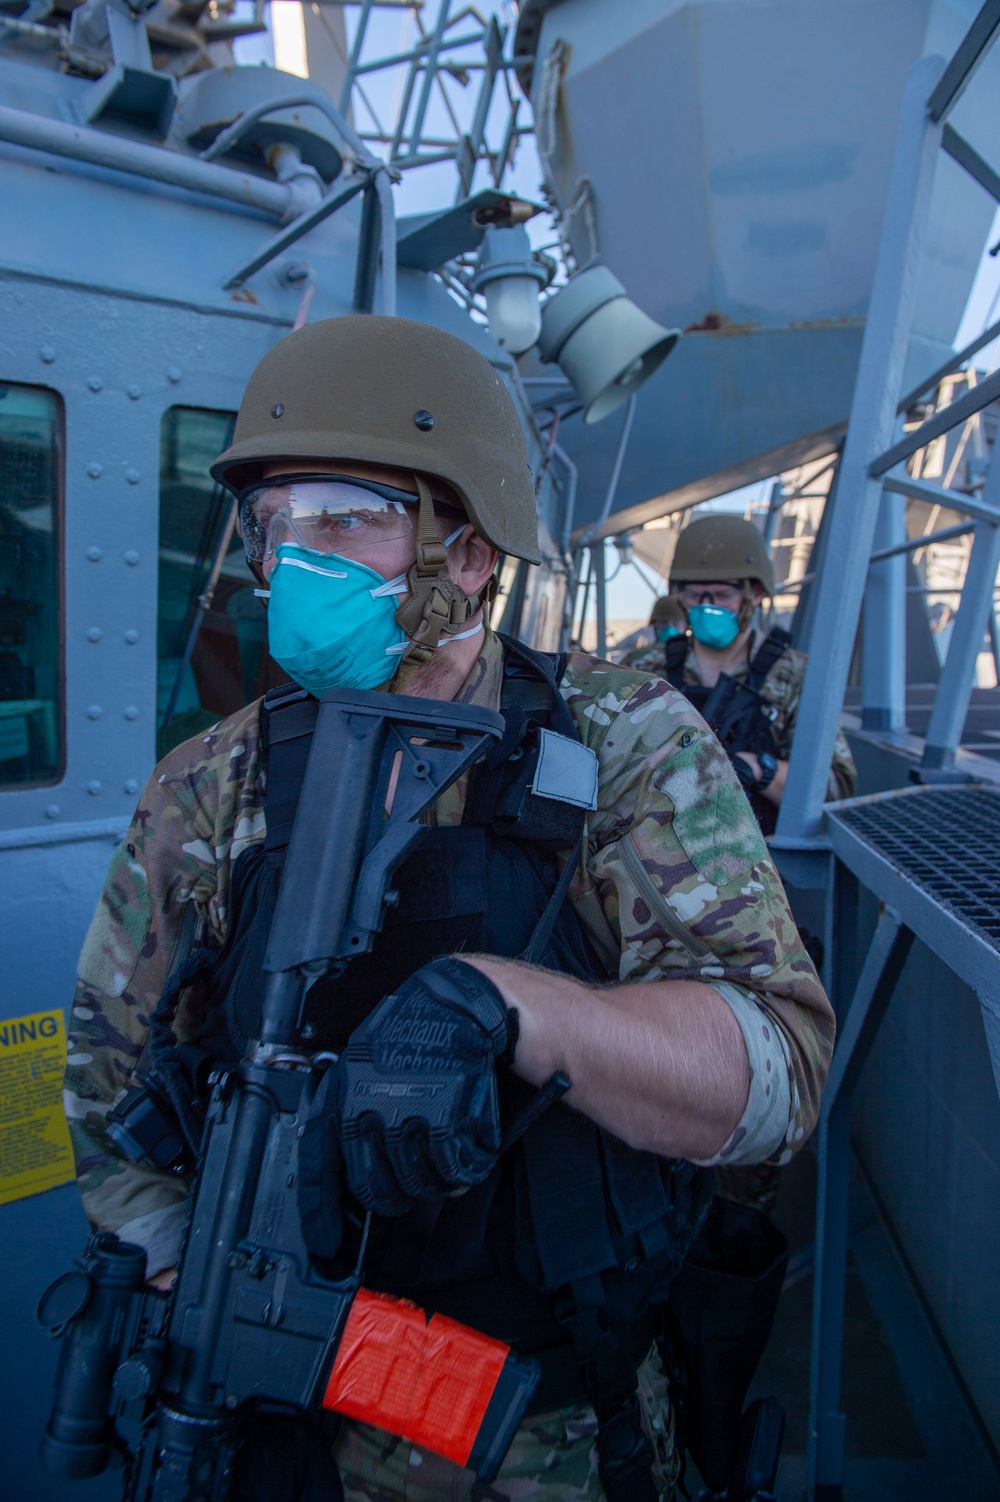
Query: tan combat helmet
x,y
668,610
392,392
716,548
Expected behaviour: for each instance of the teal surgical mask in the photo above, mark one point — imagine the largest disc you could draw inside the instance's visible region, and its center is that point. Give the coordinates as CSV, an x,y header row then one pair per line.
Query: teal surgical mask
x,y
713,626
666,632
332,621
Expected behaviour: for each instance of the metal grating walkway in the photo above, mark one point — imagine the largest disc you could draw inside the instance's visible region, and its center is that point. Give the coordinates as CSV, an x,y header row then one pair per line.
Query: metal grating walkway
x,y
945,840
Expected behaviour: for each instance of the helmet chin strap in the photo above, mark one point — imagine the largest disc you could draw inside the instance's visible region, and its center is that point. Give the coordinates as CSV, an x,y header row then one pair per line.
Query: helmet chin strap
x,y
748,608
435,605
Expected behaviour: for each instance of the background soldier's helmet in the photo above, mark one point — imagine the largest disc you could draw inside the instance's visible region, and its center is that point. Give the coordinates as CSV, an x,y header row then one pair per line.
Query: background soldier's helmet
x,y
392,392
717,548
669,611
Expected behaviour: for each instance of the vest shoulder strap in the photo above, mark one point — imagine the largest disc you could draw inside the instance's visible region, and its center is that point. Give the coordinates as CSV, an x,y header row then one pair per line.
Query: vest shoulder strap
x,y
775,645
530,679
675,653
287,721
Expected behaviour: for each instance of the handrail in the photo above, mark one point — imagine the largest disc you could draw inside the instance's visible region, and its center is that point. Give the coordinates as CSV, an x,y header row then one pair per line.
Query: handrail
x,y
233,133
100,149
373,174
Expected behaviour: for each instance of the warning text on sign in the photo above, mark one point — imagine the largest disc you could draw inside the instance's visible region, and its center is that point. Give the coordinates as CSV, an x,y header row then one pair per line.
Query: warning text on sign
x,y
35,1152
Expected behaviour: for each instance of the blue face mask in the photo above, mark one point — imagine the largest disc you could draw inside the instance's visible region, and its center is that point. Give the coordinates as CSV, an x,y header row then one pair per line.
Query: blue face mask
x,y
332,621
666,632
713,626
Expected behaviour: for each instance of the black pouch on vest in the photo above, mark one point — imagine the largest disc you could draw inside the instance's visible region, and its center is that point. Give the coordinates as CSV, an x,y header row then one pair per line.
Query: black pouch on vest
x,y
718,1322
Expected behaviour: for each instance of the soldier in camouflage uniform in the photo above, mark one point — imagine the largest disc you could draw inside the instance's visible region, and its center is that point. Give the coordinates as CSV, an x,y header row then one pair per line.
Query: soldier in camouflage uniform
x,y
708,569
667,619
714,1041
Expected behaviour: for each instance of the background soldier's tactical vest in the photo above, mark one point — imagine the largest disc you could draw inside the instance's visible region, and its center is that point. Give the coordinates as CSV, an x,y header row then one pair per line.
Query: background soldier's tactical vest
x,y
570,1244
741,716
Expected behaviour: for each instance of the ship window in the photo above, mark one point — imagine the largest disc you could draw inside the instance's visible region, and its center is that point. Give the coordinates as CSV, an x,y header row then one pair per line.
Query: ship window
x,y
30,602
211,661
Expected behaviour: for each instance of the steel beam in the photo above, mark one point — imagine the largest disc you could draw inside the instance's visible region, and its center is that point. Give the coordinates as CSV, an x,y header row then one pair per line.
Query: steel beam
x,y
951,703
366,264
427,82
883,663
931,382
387,241
968,55
949,417
355,59
966,155
827,1425
598,555
588,535
976,610
936,495
849,545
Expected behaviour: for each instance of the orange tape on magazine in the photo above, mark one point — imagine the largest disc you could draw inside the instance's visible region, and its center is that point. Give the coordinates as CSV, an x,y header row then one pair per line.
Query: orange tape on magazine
x,y
438,1384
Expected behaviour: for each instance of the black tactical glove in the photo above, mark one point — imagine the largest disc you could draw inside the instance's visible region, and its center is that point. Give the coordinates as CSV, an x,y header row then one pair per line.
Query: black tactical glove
x,y
416,1089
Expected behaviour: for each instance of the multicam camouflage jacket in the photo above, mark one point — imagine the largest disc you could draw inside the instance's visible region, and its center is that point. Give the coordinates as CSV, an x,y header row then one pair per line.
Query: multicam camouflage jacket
x,y
674,882
783,686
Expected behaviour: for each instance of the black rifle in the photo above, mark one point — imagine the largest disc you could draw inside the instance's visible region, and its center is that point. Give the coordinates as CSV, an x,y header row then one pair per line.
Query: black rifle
x,y
251,1325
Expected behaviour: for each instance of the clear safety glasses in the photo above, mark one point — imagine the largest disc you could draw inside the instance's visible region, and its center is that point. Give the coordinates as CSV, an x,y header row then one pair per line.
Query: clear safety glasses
x,y
324,513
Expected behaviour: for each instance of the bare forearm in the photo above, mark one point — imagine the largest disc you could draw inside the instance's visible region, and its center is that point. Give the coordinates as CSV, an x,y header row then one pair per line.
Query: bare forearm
x,y
662,1064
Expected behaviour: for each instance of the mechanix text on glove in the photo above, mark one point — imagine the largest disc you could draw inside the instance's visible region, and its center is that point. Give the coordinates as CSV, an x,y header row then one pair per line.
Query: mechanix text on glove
x,y
416,1089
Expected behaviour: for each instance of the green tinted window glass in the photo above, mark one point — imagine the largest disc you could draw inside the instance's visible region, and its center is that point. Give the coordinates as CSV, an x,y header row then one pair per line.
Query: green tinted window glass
x,y
211,652
30,603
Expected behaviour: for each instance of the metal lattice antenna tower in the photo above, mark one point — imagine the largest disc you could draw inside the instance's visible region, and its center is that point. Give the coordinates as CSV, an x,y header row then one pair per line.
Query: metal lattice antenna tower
x,y
435,116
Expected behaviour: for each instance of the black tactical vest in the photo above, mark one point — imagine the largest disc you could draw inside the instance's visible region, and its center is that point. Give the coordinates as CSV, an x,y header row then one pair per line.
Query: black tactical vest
x,y
746,722
575,1236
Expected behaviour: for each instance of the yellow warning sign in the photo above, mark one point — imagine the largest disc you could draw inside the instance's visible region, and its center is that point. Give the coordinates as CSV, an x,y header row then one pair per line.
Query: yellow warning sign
x,y
35,1152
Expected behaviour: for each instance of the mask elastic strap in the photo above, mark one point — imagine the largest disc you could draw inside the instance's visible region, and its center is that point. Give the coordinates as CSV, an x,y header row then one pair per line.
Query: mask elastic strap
x,y
399,586
458,636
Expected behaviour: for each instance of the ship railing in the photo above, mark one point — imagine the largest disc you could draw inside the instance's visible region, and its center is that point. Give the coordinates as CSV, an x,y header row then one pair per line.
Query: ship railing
x,y
925,853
